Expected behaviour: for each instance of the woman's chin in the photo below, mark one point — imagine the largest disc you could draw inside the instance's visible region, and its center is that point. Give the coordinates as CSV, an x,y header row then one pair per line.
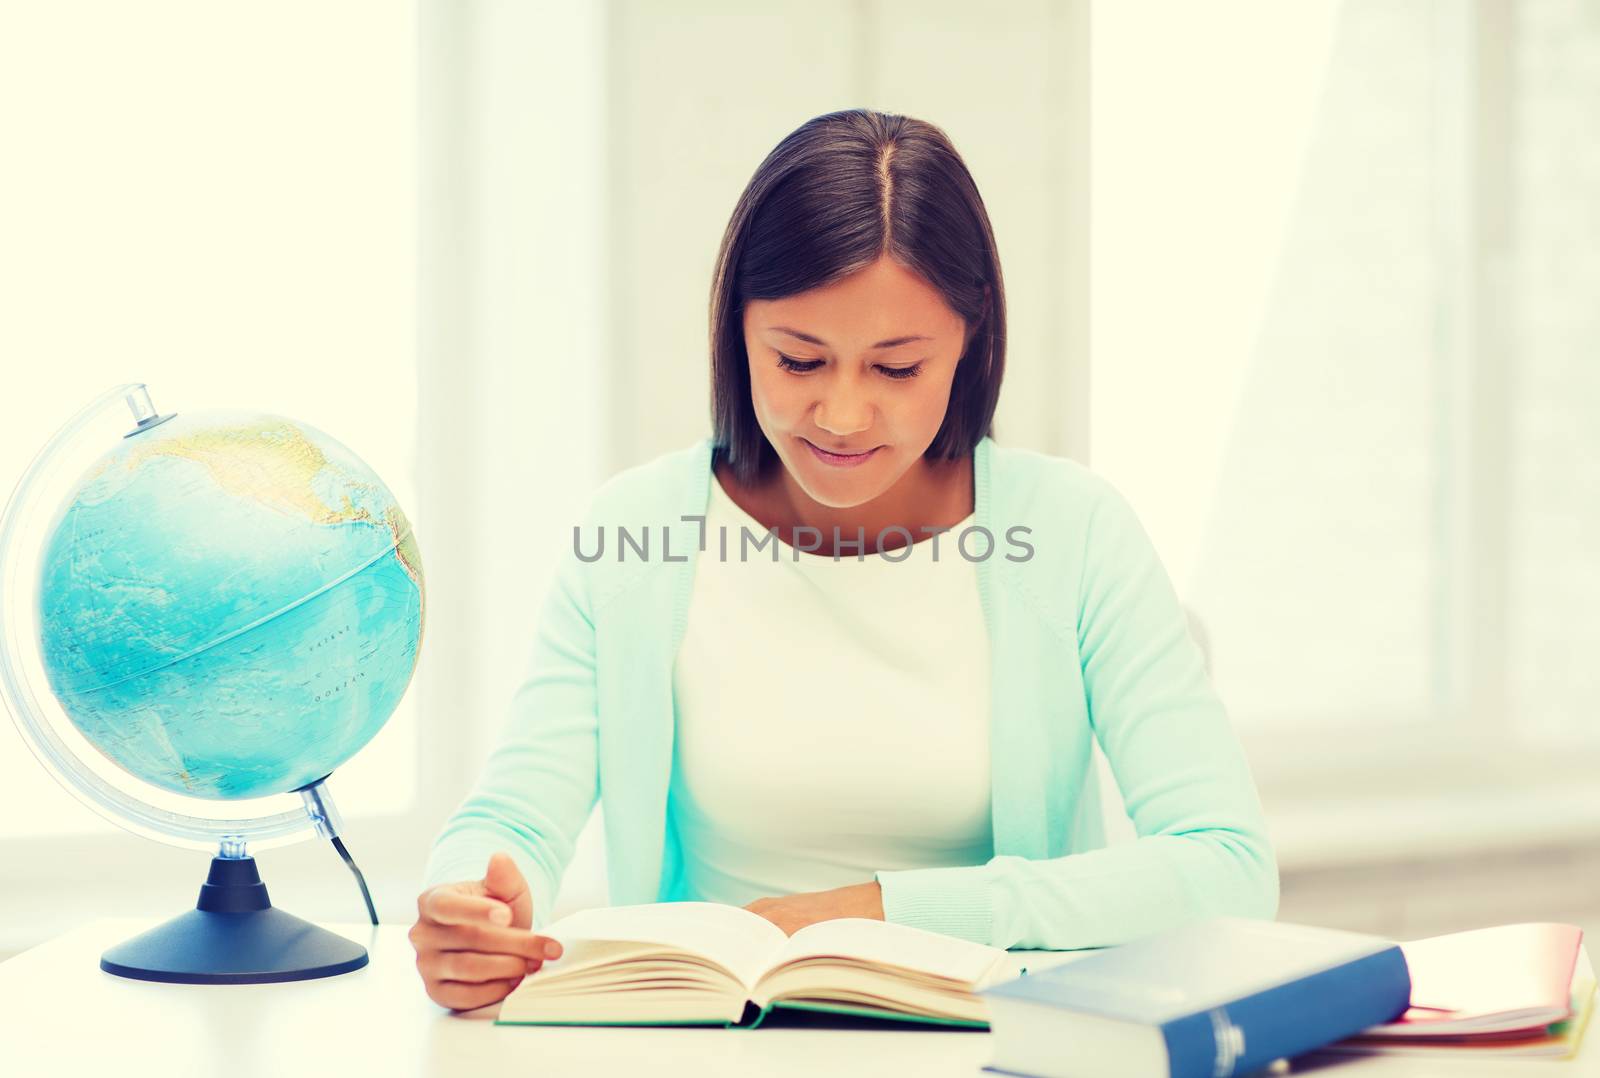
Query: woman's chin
x,y
838,488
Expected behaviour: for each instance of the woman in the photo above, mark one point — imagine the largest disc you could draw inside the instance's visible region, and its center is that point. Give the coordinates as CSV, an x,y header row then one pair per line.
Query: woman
x,y
796,699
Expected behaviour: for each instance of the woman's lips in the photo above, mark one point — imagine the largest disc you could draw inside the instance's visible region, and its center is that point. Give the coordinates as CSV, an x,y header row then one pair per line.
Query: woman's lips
x,y
840,460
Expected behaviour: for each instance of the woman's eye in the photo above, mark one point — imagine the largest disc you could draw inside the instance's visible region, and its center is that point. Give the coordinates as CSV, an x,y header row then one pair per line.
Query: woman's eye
x,y
795,365
800,367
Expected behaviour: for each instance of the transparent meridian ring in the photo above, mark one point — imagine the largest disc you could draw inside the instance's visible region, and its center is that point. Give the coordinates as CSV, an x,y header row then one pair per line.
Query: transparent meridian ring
x,y
225,605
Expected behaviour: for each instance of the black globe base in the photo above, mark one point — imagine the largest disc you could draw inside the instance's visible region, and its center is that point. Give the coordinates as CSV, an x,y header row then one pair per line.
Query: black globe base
x,y
234,935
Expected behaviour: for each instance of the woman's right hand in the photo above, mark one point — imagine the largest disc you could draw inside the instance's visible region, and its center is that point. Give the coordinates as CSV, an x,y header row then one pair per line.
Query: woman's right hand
x,y
473,938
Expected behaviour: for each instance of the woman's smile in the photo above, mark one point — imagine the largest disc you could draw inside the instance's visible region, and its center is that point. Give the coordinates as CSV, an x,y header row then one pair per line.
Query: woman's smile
x,y
840,460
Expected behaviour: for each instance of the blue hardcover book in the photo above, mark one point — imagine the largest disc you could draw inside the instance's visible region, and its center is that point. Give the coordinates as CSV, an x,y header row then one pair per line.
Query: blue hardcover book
x,y
1213,998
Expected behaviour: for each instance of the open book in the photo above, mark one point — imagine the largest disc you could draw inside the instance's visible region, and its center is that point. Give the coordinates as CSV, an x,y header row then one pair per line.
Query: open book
x,y
708,963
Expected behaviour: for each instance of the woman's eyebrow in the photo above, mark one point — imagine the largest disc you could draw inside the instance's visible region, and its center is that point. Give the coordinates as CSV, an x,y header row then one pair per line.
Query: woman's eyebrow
x,y
890,343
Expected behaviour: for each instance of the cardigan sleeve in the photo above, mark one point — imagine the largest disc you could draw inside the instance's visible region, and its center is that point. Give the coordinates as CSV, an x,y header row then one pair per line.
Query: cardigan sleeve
x,y
541,781
1202,847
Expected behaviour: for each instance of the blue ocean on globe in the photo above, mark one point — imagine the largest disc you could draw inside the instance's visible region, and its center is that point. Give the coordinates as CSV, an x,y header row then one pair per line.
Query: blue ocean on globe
x,y
230,604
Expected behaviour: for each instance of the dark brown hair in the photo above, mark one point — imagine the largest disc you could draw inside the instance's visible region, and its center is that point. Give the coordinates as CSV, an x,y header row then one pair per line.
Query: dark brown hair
x,y
833,197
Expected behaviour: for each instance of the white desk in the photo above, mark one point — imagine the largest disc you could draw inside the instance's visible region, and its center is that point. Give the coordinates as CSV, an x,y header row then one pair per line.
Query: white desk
x,y
61,1014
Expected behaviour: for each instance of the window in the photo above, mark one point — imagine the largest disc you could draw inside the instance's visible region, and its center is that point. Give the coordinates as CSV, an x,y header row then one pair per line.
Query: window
x,y
1552,399
1344,365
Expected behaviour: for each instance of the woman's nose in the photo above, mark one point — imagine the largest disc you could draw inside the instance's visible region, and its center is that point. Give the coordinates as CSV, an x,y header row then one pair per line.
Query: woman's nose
x,y
844,410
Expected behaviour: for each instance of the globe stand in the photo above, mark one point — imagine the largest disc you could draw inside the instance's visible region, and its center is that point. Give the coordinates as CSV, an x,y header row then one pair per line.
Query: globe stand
x,y
234,935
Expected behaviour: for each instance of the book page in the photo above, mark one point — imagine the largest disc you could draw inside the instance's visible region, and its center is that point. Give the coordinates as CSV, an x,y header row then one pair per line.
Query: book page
x,y
736,939
885,943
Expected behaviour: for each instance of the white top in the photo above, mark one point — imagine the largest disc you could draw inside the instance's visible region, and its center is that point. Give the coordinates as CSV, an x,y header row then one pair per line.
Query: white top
x,y
832,714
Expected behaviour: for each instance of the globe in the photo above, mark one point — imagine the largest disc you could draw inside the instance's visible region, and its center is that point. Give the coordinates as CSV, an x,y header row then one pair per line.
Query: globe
x,y
230,604
207,607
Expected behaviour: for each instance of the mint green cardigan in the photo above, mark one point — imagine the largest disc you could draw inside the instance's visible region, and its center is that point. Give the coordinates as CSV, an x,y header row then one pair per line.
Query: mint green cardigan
x,y
1087,640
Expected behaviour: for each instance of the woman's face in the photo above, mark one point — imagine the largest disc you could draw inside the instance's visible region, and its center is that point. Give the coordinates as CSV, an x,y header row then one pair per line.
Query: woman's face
x,y
876,354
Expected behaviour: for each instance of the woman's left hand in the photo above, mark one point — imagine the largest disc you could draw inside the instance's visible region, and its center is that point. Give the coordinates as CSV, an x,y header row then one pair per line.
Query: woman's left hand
x,y
793,912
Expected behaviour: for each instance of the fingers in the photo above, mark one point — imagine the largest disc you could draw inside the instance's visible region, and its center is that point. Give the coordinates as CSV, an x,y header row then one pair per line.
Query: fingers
x,y
502,880
464,997
474,948
446,907
471,967
485,938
